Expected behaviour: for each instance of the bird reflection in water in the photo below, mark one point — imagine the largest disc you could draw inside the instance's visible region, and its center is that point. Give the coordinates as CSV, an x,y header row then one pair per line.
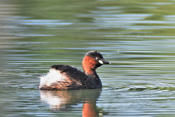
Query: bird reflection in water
x,y
62,100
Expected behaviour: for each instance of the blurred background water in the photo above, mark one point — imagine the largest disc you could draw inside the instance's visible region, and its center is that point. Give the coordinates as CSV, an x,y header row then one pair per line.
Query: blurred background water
x,y
136,36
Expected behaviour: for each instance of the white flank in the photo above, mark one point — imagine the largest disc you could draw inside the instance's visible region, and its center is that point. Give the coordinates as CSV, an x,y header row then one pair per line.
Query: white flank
x,y
51,77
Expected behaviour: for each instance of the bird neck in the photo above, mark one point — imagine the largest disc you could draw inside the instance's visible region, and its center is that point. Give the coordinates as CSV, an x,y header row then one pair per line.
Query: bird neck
x,y
89,65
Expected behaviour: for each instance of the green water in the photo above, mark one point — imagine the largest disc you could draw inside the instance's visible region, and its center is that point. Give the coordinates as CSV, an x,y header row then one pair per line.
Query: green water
x,y
136,36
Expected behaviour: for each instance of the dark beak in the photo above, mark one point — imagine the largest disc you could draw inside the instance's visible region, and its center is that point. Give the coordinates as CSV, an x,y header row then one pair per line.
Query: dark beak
x,y
103,61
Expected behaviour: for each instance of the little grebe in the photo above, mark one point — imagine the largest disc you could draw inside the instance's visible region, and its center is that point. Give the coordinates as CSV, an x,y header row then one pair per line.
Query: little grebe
x,y
65,77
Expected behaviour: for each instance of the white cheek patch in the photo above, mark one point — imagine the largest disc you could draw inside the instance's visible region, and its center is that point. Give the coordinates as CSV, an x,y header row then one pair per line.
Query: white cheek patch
x,y
100,61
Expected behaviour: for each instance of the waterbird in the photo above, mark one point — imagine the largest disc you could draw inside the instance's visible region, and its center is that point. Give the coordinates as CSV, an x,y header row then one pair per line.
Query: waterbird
x,y
66,77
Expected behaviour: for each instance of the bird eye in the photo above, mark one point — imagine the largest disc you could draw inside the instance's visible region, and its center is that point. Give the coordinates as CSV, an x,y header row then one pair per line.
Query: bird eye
x,y
96,58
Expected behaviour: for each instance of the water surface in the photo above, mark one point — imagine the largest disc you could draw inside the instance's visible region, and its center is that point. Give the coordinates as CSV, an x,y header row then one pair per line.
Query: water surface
x,y
136,36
